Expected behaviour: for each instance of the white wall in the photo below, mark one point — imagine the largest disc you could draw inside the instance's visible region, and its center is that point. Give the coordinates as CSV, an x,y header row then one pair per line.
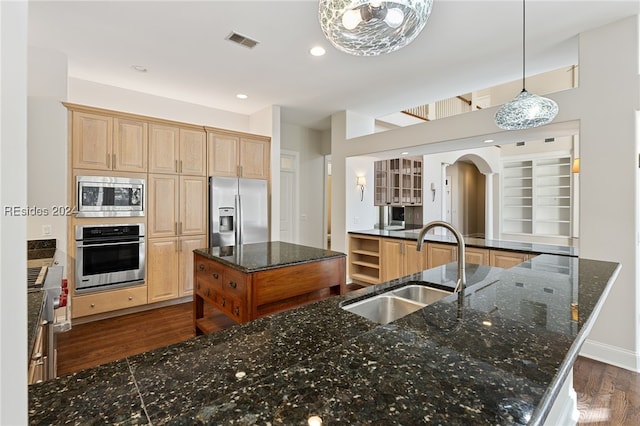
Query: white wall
x,y
606,103
47,145
13,229
360,214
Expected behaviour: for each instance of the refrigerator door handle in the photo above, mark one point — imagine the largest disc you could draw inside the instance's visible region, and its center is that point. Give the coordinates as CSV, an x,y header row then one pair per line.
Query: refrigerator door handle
x,y
238,224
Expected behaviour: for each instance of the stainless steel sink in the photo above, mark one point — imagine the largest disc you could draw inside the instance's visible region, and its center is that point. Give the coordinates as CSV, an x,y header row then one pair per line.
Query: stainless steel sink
x,y
394,304
384,308
421,294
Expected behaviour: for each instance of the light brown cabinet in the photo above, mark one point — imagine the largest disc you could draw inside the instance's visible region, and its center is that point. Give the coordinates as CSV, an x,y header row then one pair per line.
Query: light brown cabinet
x,y
176,205
477,255
238,155
364,259
400,258
507,259
177,150
107,301
398,182
171,267
441,254
104,142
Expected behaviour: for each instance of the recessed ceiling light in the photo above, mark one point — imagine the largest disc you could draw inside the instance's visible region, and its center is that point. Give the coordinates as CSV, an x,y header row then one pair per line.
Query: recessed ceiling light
x,y
241,96
488,140
139,68
317,51
404,153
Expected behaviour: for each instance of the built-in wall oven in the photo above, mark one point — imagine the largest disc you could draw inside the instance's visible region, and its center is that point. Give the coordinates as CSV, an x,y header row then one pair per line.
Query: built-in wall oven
x,y
109,256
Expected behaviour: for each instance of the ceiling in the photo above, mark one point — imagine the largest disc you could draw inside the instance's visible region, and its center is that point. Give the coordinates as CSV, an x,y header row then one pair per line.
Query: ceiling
x,y
465,46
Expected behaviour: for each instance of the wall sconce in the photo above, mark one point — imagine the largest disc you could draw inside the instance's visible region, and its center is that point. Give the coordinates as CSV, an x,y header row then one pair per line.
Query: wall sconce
x,y
361,182
433,191
576,165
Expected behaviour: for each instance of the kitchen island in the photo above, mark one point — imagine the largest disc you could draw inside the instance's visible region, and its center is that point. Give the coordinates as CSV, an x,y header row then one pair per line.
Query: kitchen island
x,y
506,361
249,281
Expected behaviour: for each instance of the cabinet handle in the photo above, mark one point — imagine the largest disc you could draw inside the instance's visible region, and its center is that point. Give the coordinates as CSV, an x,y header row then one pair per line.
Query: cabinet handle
x,y
93,305
180,166
108,161
175,228
176,166
237,311
215,275
208,292
233,284
113,162
224,302
130,297
179,228
201,267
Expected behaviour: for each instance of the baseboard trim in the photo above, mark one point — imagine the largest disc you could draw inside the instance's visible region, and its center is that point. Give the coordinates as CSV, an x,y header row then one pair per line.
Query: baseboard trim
x,y
612,355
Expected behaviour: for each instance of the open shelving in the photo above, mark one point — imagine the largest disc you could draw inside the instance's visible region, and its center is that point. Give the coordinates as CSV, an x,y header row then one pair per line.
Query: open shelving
x,y
364,259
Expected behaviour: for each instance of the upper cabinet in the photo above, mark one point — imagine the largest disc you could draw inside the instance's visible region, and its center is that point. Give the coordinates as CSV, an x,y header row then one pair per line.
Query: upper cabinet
x,y
104,142
398,182
238,155
177,150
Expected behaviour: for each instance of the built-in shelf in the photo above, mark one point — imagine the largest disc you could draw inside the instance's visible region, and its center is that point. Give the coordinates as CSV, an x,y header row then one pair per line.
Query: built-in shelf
x,y
364,259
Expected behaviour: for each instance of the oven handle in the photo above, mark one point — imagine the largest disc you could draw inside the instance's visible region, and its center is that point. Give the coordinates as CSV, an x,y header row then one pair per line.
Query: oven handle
x,y
109,244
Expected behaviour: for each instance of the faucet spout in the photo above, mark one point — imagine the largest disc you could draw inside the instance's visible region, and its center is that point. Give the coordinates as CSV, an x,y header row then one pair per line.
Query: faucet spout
x,y
461,282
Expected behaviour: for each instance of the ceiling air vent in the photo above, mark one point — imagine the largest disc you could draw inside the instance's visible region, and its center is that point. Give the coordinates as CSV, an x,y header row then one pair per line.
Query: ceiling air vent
x,y
519,143
550,139
242,40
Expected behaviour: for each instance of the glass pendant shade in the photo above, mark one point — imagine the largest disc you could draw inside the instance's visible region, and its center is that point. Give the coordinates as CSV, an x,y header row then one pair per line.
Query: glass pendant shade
x,y
526,111
370,27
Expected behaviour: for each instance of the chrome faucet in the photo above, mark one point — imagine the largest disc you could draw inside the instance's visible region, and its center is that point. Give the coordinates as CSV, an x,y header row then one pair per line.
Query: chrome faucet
x,y
461,283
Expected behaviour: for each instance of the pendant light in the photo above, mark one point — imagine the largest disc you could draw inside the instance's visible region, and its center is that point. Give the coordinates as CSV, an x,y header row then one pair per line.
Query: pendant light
x,y
526,110
372,27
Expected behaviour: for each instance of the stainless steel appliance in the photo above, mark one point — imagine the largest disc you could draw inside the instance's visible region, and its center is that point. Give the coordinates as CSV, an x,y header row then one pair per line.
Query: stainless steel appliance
x,y
238,212
104,196
109,256
55,317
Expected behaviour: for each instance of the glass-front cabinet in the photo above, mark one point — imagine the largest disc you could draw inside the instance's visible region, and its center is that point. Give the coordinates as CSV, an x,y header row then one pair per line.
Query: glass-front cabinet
x,y
398,182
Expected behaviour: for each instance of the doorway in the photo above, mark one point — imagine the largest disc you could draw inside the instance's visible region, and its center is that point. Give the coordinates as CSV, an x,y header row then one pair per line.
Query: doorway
x,y
289,187
468,198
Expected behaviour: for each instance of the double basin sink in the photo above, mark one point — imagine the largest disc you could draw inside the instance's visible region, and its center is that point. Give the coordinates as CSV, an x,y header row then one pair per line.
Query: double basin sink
x,y
397,303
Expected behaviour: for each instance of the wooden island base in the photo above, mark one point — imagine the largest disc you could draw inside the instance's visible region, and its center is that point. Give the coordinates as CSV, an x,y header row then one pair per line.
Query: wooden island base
x,y
248,295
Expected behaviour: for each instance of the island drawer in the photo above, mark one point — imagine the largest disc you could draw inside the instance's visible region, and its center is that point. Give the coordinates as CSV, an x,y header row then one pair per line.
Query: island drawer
x,y
234,283
210,275
231,306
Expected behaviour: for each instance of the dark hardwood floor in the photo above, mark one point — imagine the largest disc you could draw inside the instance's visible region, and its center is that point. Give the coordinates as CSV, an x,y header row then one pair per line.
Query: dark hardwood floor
x,y
607,395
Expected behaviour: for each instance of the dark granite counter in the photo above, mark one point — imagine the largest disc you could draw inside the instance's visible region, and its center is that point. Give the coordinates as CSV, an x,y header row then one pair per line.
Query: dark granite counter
x,y
534,248
262,256
514,346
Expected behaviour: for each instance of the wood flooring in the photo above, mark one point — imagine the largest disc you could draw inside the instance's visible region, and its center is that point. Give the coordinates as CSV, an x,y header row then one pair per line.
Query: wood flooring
x,y
607,395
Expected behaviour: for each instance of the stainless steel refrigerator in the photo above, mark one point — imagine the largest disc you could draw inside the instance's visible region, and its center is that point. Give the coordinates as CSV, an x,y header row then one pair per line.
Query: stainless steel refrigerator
x,y
237,211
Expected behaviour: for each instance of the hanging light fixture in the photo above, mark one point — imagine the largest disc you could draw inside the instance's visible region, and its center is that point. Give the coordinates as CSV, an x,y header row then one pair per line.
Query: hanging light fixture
x,y
526,110
372,27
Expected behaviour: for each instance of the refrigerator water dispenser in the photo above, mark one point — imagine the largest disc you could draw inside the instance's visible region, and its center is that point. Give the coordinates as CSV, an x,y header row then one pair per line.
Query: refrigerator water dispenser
x,y
225,219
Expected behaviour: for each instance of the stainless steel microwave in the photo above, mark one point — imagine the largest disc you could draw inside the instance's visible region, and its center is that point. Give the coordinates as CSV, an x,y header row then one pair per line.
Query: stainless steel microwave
x,y
104,196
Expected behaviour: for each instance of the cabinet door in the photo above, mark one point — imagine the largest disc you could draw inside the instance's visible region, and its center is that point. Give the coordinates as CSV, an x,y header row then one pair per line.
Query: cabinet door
x,y
193,205
162,206
223,155
162,264
507,259
91,137
254,158
193,152
414,260
441,254
392,259
163,148
381,183
476,255
130,145
187,246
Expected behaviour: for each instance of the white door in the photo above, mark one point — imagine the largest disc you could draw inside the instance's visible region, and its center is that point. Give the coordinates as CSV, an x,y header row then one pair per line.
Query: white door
x,y
289,196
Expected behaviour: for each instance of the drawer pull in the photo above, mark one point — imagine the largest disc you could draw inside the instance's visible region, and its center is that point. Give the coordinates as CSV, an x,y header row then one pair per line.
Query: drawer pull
x,y
198,285
93,305
224,302
130,297
207,292
237,311
215,275
201,267
233,284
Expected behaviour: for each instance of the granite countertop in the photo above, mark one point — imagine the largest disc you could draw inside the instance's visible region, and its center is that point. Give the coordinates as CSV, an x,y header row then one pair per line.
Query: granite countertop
x,y
535,248
516,341
262,256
